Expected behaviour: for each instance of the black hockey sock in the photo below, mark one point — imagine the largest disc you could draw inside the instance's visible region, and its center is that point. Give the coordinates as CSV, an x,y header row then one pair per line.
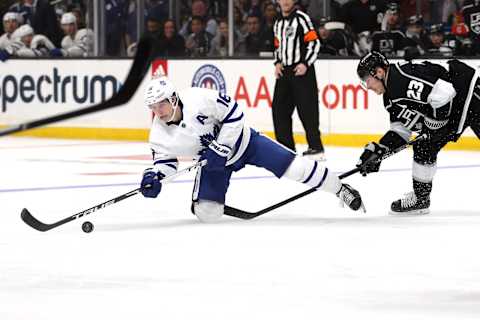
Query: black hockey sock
x,y
422,189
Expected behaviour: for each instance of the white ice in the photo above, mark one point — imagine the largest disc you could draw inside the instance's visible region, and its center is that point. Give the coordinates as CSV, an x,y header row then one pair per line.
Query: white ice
x,y
152,259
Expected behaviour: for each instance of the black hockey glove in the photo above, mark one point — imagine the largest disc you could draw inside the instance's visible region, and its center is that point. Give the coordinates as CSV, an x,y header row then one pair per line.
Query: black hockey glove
x,y
370,159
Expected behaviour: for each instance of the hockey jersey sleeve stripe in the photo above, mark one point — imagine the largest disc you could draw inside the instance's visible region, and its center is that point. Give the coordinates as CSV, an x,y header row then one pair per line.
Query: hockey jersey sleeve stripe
x,y
234,119
311,173
230,114
165,161
412,77
323,179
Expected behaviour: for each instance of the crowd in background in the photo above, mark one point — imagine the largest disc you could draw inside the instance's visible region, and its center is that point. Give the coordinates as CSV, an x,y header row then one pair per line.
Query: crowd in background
x,y
61,28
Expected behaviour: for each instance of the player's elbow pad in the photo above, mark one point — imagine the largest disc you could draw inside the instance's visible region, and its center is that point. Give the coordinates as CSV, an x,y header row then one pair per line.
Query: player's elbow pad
x,y
442,93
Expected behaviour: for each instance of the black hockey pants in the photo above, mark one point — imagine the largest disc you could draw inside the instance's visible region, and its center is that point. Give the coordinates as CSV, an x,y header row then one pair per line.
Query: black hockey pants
x,y
302,92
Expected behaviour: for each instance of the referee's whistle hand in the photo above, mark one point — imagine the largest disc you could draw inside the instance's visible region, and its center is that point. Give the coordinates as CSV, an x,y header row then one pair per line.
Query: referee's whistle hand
x,y
278,70
300,69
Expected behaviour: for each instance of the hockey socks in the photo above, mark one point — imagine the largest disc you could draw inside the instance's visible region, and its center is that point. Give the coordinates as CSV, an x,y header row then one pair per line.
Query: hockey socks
x,y
313,174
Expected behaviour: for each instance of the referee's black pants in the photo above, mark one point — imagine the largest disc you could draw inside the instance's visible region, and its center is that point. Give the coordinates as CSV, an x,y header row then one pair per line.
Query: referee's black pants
x,y
302,92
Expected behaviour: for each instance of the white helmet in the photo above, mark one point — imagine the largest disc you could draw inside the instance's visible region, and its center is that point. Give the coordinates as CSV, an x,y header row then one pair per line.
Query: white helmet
x,y
68,18
160,89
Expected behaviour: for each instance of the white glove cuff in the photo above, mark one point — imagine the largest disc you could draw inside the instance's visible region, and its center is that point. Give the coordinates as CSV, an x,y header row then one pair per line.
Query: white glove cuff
x,y
220,149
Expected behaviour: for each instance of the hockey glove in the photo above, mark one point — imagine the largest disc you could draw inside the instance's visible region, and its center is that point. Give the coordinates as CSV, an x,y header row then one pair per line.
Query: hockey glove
x,y
371,158
216,156
151,186
56,52
4,55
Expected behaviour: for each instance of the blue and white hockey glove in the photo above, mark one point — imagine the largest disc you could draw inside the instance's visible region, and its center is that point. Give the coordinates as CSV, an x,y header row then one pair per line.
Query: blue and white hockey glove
x,y
4,55
370,159
151,186
216,155
56,52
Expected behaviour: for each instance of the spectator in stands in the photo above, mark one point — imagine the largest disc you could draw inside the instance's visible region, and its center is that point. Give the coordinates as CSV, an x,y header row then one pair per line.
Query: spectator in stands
x,y
115,19
220,41
269,14
240,25
390,41
199,9
255,8
333,42
363,15
442,44
199,42
415,37
391,19
76,43
41,16
257,39
10,24
154,25
171,44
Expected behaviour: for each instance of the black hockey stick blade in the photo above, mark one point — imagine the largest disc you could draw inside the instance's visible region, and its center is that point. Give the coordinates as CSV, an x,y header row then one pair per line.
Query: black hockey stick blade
x,y
135,76
245,215
29,219
33,222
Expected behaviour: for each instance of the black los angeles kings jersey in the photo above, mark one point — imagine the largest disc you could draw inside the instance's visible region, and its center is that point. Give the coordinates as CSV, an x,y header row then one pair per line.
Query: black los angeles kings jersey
x,y
418,95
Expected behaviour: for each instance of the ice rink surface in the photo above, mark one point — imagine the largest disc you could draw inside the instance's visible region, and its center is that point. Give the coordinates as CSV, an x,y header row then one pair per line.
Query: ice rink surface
x,y
152,259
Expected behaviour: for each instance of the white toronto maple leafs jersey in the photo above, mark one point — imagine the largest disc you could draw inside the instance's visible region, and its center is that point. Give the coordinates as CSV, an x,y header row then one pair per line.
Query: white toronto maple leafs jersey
x,y
207,115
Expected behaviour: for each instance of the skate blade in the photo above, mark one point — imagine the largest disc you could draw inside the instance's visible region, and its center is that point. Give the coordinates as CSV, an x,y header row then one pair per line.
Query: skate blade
x,y
362,207
418,212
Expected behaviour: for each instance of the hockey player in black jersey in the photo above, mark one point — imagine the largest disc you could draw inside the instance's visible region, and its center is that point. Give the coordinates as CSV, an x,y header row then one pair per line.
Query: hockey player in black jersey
x,y
423,98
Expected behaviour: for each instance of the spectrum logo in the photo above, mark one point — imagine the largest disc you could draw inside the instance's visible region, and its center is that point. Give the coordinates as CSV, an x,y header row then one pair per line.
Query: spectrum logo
x,y
57,88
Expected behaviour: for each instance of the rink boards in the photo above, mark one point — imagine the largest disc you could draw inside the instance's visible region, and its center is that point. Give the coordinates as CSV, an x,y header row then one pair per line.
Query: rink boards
x,y
31,89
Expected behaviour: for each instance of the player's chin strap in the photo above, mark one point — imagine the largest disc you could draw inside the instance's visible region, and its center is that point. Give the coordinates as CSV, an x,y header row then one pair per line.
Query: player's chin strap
x,y
238,213
382,80
174,106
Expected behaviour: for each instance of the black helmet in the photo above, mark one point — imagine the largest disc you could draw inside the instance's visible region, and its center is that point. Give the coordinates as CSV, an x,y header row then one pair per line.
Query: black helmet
x,y
369,64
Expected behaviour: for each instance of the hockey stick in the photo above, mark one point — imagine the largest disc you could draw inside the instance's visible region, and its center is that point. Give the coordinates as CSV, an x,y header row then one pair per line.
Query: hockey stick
x,y
238,213
134,78
29,219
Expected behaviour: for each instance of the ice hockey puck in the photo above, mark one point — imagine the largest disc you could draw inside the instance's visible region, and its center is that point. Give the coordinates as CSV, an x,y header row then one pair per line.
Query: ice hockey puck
x,y
87,227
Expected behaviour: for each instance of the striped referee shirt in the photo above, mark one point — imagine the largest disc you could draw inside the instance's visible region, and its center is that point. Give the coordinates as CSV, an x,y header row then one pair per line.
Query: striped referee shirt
x,y
295,39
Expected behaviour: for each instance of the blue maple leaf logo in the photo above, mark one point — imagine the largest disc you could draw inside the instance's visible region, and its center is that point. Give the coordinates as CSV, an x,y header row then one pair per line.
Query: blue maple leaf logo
x,y
208,137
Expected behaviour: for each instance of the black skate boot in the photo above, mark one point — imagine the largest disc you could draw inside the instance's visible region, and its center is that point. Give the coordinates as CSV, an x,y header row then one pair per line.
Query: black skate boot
x,y
411,205
414,203
315,154
350,197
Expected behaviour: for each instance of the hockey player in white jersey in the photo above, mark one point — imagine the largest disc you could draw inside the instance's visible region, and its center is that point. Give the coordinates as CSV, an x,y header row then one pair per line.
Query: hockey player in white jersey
x,y
205,124
25,43
10,24
76,43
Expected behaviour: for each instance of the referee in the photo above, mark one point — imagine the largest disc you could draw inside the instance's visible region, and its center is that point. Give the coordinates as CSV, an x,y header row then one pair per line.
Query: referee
x,y
296,49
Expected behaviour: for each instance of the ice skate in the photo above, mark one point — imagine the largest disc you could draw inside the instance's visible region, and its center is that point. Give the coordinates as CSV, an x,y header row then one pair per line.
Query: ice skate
x,y
350,197
411,205
315,154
